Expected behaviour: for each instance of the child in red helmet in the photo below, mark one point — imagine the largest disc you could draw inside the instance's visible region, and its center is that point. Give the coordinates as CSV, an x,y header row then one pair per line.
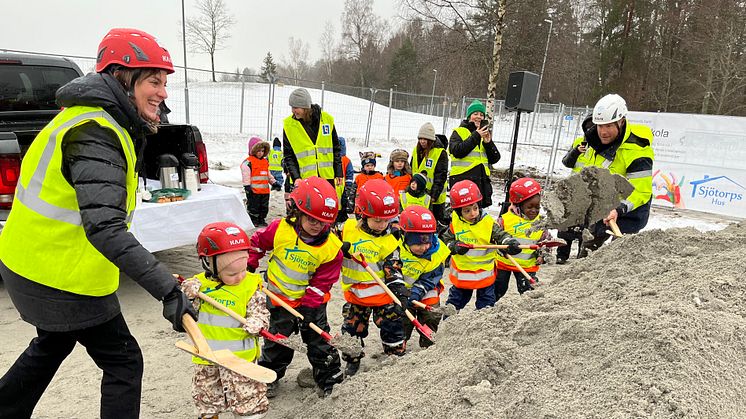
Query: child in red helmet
x,y
223,250
304,265
257,180
371,236
423,257
473,269
525,200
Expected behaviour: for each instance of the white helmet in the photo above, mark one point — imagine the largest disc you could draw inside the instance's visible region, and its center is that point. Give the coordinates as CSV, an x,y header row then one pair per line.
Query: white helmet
x,y
610,108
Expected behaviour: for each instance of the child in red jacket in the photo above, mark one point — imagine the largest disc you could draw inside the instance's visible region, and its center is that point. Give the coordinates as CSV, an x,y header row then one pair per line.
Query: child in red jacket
x,y
368,169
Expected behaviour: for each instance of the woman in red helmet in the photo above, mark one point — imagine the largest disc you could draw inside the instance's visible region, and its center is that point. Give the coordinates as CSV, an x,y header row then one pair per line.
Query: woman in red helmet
x,y
66,237
305,263
223,250
525,200
377,205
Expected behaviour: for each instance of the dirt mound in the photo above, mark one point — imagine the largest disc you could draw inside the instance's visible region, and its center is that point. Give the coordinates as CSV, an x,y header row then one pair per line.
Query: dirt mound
x,y
652,325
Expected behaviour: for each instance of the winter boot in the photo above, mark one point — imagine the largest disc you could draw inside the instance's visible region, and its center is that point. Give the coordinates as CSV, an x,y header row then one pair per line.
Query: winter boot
x,y
272,389
323,392
351,368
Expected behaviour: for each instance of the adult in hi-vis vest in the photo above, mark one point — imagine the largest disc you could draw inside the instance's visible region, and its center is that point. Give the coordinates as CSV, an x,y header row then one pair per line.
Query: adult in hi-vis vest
x,y
625,149
472,152
310,146
430,159
66,237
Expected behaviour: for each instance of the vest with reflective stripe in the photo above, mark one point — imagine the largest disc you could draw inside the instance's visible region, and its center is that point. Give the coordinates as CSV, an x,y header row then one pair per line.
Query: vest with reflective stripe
x,y
275,160
43,239
313,159
475,269
517,226
259,175
475,157
220,329
413,266
357,284
406,200
427,165
628,152
294,262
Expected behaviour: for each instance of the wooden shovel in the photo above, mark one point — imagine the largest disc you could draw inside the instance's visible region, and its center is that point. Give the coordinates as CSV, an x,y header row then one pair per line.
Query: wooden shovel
x,y
528,277
614,229
422,328
448,310
545,243
277,338
223,357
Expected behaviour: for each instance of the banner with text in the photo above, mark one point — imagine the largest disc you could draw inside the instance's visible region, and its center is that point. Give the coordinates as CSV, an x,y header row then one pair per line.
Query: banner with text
x,y
700,161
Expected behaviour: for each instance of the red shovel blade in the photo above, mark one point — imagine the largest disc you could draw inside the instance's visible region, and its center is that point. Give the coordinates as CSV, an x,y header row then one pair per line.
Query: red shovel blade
x,y
552,243
466,245
424,330
327,337
270,336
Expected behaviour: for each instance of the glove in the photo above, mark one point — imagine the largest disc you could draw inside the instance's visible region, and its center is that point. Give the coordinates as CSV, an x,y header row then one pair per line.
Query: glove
x,y
251,269
400,291
513,246
523,285
416,294
457,249
191,287
175,305
247,188
346,249
308,313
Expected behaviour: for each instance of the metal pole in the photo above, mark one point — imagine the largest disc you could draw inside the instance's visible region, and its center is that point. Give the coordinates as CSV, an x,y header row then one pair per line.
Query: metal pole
x,y
243,89
323,88
391,99
432,96
555,144
186,78
270,104
272,110
543,63
508,180
445,105
370,117
463,107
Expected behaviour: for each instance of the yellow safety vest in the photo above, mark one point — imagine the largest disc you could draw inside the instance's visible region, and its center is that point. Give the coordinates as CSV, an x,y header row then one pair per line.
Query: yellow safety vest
x,y
375,249
427,165
221,330
414,266
43,239
294,262
313,159
475,157
406,199
517,226
479,233
629,151
275,160
581,162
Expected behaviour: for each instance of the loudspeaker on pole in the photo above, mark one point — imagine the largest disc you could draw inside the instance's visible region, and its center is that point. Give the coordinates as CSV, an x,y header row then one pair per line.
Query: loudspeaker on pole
x,y
522,92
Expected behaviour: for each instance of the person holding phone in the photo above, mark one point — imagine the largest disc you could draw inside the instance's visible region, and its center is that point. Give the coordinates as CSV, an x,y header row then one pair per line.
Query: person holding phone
x,y
472,151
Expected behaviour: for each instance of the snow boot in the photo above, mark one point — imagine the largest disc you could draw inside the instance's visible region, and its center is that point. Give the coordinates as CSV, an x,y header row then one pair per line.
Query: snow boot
x,y
351,368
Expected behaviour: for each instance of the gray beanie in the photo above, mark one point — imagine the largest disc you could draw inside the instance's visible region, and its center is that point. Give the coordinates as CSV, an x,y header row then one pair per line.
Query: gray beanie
x,y
300,98
427,131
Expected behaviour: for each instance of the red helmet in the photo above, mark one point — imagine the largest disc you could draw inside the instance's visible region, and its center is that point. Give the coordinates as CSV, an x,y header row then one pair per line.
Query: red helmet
x,y
523,189
417,219
317,198
132,48
218,238
377,199
465,192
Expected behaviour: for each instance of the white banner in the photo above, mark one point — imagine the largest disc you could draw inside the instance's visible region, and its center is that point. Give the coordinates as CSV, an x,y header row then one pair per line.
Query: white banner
x,y
700,161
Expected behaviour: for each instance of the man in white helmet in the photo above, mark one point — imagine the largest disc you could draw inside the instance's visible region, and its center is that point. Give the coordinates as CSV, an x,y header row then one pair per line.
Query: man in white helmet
x,y
625,149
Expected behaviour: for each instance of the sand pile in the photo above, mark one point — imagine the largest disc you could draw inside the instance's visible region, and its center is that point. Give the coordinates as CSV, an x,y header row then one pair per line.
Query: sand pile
x,y
653,325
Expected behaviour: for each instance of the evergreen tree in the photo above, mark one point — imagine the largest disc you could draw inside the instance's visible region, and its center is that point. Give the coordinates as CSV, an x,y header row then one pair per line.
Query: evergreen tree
x,y
268,68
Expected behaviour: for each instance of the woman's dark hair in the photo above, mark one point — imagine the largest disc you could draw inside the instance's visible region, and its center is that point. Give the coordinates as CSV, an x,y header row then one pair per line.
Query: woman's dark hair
x,y
128,77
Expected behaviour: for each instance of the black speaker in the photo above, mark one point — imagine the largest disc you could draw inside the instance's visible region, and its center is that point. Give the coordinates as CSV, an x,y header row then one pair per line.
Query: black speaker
x,y
523,88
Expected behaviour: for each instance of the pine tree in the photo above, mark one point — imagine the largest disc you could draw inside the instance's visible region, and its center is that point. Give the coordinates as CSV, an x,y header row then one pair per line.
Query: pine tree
x,y
269,68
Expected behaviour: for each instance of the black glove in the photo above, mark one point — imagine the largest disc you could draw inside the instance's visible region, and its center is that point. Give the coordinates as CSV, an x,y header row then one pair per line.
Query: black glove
x,y
457,249
346,250
175,305
513,246
416,294
308,313
400,291
523,284
247,188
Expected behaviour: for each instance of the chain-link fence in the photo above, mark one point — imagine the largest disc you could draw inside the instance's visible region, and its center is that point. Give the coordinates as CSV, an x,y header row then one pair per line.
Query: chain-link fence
x,y
370,118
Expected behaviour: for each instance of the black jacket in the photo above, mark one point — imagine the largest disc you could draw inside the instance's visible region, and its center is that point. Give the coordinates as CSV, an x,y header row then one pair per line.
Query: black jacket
x,y
440,172
461,148
290,162
93,163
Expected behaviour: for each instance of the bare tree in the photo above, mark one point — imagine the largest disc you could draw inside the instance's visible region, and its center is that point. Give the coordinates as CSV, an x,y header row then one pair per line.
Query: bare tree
x,y
362,33
297,62
208,32
328,47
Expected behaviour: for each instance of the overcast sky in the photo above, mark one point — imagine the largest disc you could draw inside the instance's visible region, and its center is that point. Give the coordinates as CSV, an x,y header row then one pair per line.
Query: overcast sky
x,y
75,27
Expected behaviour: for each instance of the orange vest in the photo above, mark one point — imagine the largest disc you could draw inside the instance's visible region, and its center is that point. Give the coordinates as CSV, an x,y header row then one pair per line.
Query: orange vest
x,y
345,162
259,175
362,178
399,183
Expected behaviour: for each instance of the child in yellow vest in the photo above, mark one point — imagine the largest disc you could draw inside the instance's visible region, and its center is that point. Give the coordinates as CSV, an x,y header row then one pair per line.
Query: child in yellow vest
x,y
423,258
525,199
371,236
473,269
223,250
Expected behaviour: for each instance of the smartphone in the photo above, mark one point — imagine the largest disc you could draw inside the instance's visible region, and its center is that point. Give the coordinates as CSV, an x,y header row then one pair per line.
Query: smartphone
x,y
486,123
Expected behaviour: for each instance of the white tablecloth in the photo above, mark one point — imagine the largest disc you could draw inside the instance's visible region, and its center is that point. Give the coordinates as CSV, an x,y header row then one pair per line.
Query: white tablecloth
x,y
173,224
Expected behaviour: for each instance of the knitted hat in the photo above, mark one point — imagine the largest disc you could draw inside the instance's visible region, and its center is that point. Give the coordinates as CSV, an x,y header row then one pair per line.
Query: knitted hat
x,y
418,238
427,131
399,154
476,106
420,180
276,142
367,157
300,98
258,145
343,146
252,142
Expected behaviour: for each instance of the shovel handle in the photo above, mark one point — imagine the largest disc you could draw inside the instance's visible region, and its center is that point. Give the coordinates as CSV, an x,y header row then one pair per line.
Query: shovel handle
x,y
222,308
528,277
195,334
420,304
360,259
615,228
275,299
497,246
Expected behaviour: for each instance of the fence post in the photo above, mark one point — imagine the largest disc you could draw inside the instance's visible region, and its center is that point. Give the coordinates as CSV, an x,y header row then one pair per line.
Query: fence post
x,y
462,111
391,99
243,90
323,89
270,105
445,106
555,145
370,117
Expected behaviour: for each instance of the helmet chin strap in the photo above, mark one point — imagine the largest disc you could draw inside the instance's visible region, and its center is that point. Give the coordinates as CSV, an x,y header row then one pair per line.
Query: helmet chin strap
x,y
206,266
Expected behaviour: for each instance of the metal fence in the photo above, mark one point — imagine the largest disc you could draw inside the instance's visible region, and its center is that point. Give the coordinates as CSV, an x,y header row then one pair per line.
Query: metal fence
x,y
246,103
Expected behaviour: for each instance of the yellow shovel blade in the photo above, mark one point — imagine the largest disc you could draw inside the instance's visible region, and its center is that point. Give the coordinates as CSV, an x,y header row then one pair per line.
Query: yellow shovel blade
x,y
230,361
